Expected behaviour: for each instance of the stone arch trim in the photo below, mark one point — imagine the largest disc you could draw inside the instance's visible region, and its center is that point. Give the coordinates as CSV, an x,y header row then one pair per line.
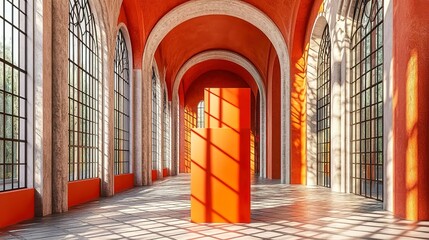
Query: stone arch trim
x,y
248,13
249,67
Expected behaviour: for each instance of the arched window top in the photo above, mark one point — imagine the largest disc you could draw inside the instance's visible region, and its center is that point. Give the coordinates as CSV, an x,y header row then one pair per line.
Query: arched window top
x,y
122,107
200,114
165,100
154,83
83,33
82,19
367,15
324,57
122,63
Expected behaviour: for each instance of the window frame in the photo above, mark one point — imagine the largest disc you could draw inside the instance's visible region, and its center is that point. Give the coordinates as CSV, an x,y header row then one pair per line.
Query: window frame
x,y
22,95
201,114
122,144
367,133
323,110
87,137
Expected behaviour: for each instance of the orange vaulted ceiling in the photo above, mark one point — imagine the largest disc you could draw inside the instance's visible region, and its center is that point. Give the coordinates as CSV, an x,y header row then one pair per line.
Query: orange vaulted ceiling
x,y
200,69
148,12
212,32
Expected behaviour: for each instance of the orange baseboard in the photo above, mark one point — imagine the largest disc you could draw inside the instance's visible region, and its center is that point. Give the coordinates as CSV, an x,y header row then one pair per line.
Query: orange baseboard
x,y
16,206
83,191
165,172
123,182
154,175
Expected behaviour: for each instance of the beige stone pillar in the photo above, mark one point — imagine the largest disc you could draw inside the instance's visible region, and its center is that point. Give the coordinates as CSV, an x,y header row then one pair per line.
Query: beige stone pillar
x,y
147,127
137,128
60,120
108,109
42,45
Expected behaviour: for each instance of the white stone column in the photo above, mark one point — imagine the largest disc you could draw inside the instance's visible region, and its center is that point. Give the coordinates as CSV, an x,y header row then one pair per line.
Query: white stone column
x,y
108,110
41,40
388,106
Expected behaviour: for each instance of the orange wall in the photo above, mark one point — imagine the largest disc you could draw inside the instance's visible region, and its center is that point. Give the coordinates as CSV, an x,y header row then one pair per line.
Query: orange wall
x,y
16,206
274,123
410,107
303,26
154,175
165,172
123,182
83,191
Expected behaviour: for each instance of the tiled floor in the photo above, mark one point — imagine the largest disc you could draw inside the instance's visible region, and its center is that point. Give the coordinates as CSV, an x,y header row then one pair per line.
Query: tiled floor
x,y
278,212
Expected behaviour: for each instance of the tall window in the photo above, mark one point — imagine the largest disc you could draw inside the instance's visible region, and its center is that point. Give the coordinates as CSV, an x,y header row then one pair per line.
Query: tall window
x,y
190,122
156,124
122,107
167,129
13,95
324,111
200,114
83,92
367,99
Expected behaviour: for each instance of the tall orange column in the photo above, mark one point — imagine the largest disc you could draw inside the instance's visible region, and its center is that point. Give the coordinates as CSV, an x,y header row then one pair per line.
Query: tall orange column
x,y
411,109
220,159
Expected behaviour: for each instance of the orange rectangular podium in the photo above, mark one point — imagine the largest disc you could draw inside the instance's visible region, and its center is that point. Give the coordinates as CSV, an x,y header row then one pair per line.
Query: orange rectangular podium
x,y
220,176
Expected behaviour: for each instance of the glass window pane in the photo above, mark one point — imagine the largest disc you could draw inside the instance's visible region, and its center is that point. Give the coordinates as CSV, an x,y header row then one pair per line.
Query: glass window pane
x,y
83,101
323,110
367,100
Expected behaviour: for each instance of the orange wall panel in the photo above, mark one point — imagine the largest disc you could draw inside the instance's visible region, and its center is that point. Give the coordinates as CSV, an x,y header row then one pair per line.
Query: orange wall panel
x,y
16,206
274,124
123,182
165,172
83,191
410,109
154,175
227,107
220,176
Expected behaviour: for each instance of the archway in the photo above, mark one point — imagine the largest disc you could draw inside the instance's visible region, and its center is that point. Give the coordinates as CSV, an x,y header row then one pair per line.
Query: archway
x,y
248,13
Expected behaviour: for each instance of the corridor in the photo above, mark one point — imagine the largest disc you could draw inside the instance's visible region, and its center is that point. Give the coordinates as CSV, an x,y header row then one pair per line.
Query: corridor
x,y
278,212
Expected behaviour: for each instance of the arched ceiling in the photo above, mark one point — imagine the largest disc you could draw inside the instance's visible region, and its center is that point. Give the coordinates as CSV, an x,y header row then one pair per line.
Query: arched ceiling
x,y
211,32
199,69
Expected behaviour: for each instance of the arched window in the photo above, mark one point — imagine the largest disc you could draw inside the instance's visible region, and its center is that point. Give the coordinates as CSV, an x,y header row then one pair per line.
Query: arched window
x,y
200,114
367,99
83,92
156,123
13,97
122,107
167,131
324,111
